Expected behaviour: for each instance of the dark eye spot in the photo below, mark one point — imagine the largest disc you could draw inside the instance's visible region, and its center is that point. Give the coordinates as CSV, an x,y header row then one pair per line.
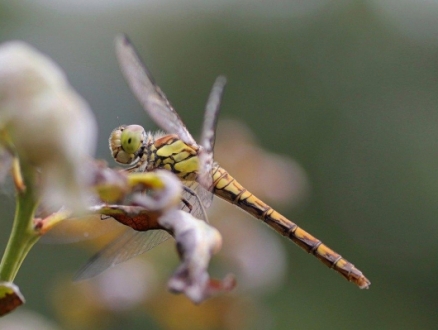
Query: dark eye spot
x,y
129,140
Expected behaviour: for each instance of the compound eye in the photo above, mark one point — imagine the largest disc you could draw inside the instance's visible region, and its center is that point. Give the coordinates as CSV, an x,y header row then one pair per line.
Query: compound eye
x,y
132,138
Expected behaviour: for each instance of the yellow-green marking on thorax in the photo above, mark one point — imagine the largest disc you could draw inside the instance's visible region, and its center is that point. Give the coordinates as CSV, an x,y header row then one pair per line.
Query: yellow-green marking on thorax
x,y
174,155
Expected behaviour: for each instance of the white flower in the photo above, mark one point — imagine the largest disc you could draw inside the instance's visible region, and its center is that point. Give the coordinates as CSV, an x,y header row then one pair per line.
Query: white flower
x,y
49,125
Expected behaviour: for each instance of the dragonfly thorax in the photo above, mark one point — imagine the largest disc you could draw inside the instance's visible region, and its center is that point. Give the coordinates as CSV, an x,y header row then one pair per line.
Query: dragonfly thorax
x,y
169,152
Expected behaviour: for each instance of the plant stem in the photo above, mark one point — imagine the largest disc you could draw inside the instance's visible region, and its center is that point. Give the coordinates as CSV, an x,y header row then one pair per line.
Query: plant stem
x,y
23,236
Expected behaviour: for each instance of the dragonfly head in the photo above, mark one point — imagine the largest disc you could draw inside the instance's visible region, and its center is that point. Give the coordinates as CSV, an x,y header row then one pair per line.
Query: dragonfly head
x,y
127,143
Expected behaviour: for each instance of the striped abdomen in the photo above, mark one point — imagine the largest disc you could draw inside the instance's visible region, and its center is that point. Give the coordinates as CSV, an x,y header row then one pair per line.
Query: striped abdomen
x,y
226,187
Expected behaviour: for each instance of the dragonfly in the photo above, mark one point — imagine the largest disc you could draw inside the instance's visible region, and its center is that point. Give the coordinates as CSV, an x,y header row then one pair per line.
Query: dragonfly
x,y
177,151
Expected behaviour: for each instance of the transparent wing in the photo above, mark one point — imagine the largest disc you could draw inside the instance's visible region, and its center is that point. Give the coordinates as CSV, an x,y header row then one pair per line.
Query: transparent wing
x,y
132,243
208,136
193,202
81,228
147,92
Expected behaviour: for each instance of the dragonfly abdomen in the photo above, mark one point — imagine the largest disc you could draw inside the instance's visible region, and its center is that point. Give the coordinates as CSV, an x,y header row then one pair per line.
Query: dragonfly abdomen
x,y
226,187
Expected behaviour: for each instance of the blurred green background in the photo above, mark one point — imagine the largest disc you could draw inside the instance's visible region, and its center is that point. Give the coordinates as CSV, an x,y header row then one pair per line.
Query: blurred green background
x,y
348,89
